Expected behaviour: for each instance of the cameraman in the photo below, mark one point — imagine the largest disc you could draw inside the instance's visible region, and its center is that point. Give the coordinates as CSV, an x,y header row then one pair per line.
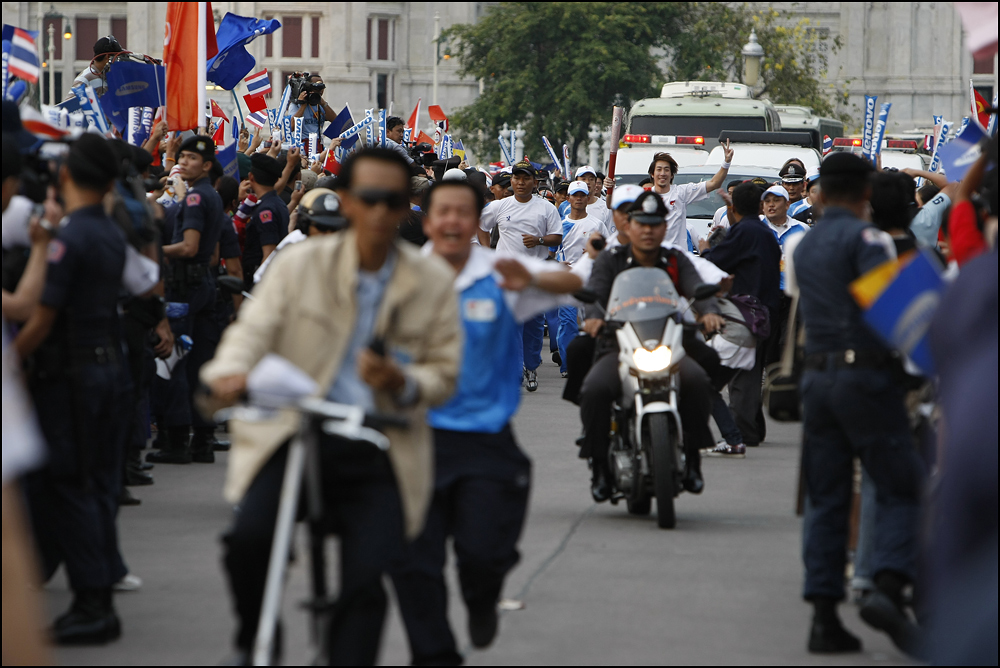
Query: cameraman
x,y
311,107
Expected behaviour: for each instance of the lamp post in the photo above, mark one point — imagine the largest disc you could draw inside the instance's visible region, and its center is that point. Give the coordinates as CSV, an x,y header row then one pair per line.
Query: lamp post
x,y
753,53
437,54
52,57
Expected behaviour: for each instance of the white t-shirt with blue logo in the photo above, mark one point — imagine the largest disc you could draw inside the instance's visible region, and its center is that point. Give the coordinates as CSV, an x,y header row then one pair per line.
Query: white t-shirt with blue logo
x,y
536,217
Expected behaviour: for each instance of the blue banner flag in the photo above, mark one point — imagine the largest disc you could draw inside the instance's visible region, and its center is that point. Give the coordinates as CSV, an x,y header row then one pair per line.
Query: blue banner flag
x,y
902,314
233,62
381,128
227,158
507,155
868,129
135,85
958,155
339,124
942,139
883,118
551,151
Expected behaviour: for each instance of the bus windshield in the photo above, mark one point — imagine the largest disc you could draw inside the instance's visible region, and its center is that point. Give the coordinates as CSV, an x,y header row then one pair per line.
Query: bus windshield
x,y
709,127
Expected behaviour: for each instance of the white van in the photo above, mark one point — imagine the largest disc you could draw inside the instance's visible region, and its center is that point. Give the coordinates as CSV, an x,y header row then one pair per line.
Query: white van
x,y
632,163
701,108
766,149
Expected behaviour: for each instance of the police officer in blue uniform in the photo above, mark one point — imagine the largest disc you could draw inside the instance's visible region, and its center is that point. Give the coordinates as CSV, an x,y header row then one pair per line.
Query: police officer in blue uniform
x,y
481,476
269,223
79,383
191,302
853,407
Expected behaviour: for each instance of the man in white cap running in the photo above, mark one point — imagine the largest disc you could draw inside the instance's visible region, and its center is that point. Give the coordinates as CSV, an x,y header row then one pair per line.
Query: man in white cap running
x,y
596,205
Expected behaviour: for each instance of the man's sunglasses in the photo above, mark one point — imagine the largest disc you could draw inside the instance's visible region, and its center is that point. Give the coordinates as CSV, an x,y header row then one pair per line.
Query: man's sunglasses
x,y
391,198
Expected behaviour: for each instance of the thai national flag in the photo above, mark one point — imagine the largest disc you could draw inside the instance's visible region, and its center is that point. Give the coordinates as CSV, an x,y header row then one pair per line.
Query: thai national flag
x,y
23,57
258,84
827,144
257,119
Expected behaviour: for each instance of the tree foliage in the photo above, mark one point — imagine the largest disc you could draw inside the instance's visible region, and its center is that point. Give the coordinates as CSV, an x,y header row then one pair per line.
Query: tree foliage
x,y
557,68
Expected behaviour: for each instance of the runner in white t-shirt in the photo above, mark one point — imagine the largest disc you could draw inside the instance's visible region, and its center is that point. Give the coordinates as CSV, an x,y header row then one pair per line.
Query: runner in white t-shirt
x,y
663,170
528,226
596,206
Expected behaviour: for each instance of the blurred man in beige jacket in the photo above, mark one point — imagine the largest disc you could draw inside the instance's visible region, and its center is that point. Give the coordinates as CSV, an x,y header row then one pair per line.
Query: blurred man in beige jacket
x,y
321,305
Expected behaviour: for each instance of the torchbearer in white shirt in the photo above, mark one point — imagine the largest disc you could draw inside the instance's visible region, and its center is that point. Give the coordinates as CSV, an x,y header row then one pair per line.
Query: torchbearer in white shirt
x,y
663,171
528,226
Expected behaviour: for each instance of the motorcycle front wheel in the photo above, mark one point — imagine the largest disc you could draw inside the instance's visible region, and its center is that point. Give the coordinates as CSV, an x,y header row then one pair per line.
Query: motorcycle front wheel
x,y
663,469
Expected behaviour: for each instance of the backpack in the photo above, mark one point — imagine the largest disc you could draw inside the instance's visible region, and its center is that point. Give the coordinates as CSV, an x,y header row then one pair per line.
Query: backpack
x,y
755,315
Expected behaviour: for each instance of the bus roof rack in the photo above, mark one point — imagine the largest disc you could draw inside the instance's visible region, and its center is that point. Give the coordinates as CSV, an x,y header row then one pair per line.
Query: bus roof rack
x,y
756,137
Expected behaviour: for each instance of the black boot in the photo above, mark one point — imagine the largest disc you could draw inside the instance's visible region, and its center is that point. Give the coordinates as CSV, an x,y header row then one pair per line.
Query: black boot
x,y
202,448
126,498
883,609
91,620
828,635
220,444
600,482
483,623
693,482
178,449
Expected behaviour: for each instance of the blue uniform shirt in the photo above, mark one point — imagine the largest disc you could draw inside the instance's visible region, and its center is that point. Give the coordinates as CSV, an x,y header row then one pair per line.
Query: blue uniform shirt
x,y
489,384
267,226
201,210
839,249
85,264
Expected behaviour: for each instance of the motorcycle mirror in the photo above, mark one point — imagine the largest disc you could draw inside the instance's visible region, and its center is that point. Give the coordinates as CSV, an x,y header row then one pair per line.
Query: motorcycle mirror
x,y
230,284
586,296
705,290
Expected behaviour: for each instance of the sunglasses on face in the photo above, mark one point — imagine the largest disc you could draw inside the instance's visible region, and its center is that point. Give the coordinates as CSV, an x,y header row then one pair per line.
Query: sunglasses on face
x,y
391,198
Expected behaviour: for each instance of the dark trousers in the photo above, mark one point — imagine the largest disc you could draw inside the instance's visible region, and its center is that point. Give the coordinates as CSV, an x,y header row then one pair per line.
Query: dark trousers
x,y
362,506
172,398
857,413
745,398
579,358
602,386
73,501
480,501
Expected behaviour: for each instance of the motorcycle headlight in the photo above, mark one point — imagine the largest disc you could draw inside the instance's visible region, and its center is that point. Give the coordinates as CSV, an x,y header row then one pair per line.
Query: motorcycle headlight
x,y
649,361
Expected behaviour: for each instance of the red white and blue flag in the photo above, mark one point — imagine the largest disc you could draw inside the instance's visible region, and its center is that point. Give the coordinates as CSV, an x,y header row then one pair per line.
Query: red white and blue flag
x,y
258,119
258,84
827,144
22,61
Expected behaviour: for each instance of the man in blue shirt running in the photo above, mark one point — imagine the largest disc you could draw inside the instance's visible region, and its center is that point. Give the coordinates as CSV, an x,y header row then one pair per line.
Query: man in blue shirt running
x,y
481,476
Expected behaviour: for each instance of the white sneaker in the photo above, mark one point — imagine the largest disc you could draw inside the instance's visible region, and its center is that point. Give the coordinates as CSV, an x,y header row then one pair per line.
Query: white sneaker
x,y
530,380
128,583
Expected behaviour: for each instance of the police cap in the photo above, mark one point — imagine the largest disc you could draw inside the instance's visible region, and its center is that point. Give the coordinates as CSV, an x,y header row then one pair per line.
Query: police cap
x,y
502,179
321,207
265,169
845,164
792,172
648,209
200,144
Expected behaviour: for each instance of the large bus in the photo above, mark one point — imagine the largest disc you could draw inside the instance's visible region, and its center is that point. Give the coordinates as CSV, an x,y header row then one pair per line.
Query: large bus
x,y
802,119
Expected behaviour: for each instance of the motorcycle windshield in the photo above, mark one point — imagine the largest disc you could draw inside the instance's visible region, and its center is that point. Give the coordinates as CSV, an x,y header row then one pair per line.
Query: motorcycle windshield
x,y
642,294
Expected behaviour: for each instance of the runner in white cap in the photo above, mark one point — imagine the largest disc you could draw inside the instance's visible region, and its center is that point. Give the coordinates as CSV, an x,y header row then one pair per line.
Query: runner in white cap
x,y
596,206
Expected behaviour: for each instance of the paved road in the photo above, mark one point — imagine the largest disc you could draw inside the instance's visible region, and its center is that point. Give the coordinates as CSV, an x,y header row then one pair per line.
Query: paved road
x,y
598,586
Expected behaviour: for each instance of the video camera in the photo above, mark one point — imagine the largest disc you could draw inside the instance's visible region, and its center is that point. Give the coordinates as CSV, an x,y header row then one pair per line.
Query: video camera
x,y
423,154
299,81
40,170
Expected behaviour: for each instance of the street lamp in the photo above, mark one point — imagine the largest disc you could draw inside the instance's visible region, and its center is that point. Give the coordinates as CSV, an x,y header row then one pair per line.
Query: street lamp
x,y
50,18
753,53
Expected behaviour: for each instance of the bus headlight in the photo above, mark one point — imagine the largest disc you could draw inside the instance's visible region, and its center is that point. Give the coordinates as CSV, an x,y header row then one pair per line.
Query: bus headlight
x,y
650,361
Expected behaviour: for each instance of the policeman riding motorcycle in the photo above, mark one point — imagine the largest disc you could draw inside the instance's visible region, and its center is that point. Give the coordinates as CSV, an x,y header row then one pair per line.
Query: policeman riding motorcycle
x,y
646,401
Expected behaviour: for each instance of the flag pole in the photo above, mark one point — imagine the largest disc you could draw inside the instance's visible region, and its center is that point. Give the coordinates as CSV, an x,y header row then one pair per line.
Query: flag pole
x,y
202,65
239,109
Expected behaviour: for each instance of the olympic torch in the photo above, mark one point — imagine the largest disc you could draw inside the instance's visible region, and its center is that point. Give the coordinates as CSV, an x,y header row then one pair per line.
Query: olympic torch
x,y
616,128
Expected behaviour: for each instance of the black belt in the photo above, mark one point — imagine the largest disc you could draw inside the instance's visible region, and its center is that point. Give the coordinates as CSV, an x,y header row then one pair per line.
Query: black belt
x,y
848,359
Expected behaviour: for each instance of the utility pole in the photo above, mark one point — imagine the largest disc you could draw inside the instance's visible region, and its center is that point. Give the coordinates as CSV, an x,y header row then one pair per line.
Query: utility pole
x,y
52,62
437,54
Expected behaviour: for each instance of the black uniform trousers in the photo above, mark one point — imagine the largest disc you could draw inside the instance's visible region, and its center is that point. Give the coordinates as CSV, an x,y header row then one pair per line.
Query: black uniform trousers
x,y
857,412
73,501
362,506
173,397
602,386
480,500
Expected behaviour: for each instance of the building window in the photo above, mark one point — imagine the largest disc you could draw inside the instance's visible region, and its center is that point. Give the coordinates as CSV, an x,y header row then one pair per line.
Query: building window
x,y
45,86
983,64
382,91
57,38
315,39
380,40
119,28
269,41
86,37
291,37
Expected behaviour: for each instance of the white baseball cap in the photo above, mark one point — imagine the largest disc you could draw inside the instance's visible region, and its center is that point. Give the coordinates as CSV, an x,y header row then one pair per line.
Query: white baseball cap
x,y
586,169
454,174
625,194
775,190
578,187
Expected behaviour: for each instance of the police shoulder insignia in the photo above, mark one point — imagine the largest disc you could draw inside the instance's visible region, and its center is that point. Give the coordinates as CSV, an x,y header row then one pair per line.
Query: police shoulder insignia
x,y
194,199
266,216
871,236
57,250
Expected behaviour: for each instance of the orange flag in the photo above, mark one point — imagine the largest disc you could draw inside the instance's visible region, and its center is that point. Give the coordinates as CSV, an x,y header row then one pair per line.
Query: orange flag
x,y
185,70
